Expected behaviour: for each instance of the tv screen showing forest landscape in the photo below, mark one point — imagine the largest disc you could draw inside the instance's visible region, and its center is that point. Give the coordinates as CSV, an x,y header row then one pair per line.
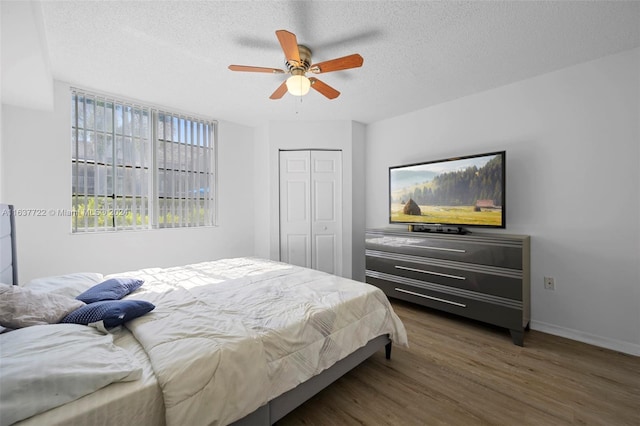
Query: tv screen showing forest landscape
x,y
461,191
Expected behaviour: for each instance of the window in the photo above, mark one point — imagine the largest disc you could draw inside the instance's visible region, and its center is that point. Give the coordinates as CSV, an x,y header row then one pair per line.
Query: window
x,y
184,176
136,167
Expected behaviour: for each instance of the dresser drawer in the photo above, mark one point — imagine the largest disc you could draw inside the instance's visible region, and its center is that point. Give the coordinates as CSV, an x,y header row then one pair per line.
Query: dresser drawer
x,y
478,278
492,310
466,249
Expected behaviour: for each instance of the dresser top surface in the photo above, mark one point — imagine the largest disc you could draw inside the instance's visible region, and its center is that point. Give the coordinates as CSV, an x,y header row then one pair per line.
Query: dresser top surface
x,y
474,236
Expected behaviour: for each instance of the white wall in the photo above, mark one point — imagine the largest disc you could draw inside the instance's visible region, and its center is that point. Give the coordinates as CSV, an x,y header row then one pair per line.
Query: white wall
x,y
36,163
262,189
2,168
26,78
573,172
358,206
282,135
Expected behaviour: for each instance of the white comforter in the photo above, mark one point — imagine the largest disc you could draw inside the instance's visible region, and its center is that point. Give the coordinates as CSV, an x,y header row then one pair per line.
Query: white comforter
x,y
230,335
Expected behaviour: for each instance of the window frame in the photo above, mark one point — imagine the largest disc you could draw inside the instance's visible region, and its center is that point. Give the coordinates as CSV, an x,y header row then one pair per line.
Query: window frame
x,y
202,211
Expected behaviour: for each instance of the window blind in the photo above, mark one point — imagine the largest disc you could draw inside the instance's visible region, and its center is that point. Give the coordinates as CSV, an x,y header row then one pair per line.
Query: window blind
x,y
184,153
136,167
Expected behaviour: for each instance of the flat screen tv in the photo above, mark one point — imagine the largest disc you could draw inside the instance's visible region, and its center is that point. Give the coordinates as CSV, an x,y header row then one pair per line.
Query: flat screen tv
x,y
455,192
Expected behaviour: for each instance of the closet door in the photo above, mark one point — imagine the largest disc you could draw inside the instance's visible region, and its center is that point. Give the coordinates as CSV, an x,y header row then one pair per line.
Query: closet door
x,y
311,209
326,211
295,207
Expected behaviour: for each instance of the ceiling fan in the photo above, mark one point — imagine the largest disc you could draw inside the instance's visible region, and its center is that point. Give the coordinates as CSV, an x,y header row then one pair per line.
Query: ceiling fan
x,y
298,63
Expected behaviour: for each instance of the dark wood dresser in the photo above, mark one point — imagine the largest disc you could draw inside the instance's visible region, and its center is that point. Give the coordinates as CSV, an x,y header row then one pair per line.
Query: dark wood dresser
x,y
483,276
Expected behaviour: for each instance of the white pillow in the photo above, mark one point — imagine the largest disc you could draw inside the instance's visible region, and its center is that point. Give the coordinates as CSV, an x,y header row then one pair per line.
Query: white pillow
x,y
69,285
22,307
45,366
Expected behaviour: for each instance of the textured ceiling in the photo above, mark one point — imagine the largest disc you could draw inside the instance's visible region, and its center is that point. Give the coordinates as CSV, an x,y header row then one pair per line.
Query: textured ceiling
x,y
416,54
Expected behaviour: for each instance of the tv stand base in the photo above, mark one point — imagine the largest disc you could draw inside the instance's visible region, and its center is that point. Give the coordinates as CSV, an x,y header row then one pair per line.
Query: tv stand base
x,y
439,229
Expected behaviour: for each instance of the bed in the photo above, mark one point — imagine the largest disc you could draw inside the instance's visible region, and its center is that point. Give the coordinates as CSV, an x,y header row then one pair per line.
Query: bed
x,y
240,341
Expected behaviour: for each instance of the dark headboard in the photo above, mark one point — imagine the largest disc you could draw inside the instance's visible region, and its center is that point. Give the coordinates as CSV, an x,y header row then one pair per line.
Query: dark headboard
x,y
8,264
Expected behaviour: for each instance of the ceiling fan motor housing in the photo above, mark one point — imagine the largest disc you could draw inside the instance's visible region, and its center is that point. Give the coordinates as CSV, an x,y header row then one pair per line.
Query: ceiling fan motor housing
x,y
302,67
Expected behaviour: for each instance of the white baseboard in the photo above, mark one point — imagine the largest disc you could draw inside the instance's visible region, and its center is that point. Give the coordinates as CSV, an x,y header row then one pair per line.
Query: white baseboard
x,y
580,336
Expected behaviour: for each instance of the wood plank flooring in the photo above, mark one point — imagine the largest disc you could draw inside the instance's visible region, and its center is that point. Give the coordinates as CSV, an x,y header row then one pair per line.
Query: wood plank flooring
x,y
461,372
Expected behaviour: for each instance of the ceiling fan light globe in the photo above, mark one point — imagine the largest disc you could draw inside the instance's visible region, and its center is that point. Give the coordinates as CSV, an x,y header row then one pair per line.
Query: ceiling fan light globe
x,y
298,85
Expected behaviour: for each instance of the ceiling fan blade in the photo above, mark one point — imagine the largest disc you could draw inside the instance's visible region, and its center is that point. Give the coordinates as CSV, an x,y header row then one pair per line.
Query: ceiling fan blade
x,y
280,91
248,68
344,63
324,88
289,44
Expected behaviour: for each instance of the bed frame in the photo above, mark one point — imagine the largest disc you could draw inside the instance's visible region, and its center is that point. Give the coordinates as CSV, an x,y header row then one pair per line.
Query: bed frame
x,y
8,265
269,413
279,407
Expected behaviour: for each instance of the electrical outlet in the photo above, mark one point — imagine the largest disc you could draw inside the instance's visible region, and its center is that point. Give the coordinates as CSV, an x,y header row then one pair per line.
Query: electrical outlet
x,y
549,283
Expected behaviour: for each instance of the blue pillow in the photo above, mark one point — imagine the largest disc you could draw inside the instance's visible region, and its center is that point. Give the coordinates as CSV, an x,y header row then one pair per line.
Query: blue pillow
x,y
111,312
111,289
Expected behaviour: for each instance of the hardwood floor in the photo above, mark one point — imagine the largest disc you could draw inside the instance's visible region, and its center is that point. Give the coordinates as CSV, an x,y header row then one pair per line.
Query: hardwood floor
x,y
461,372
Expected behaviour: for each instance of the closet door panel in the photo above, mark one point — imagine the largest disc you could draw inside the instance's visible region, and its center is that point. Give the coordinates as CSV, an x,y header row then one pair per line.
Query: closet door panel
x,y
326,221
295,207
311,209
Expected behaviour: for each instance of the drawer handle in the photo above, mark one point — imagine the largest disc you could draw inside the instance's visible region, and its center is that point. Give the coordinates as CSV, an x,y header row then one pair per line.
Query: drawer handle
x,y
436,248
440,274
401,290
